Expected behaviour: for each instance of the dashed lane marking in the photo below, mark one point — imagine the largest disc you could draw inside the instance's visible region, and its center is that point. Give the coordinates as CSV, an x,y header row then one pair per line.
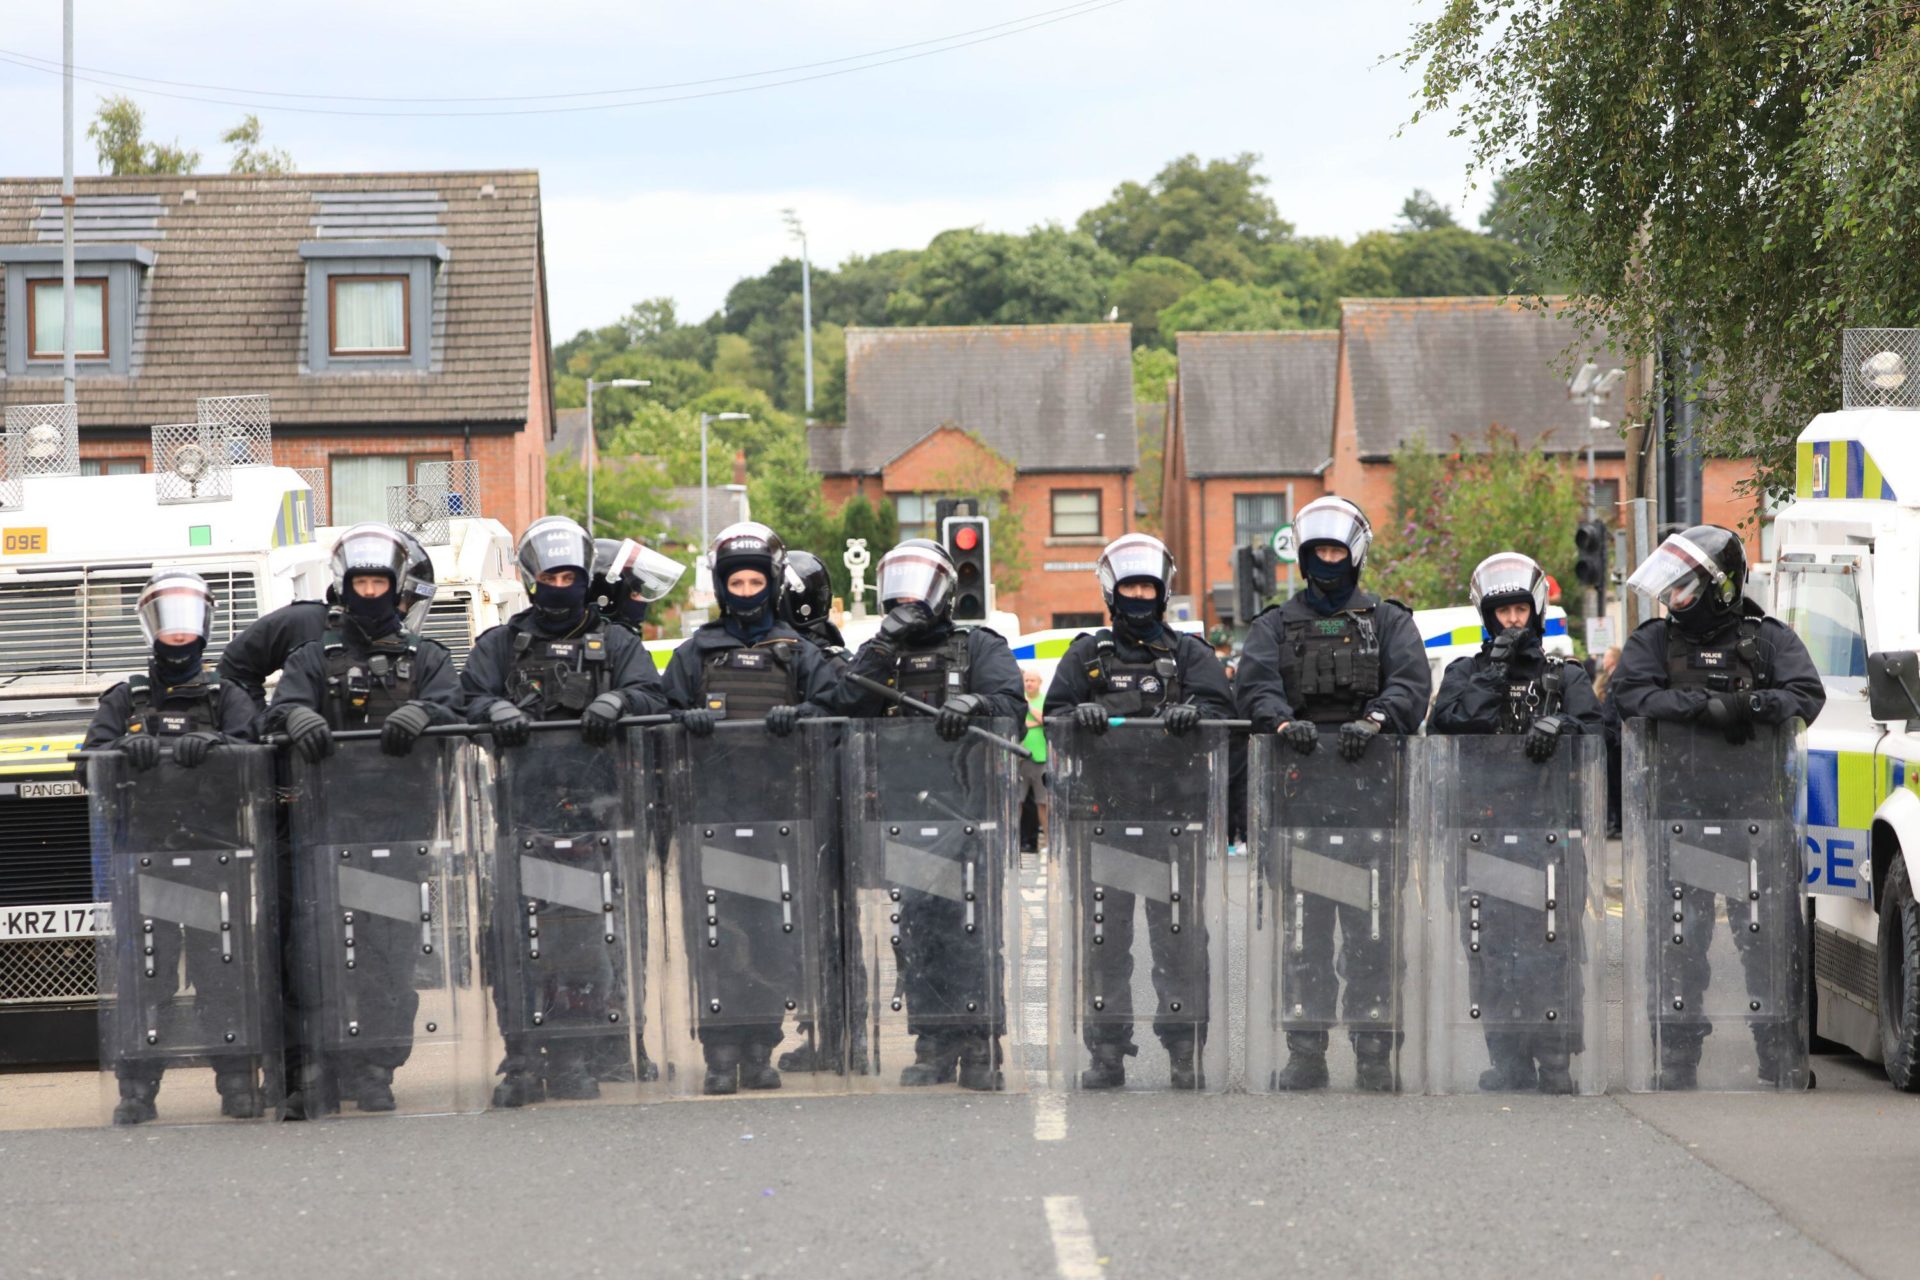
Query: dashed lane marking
x,y
1049,1116
1074,1257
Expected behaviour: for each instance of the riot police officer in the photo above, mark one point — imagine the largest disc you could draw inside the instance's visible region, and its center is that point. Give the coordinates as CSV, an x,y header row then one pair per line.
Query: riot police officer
x,y
1139,668
963,673
557,659
807,602
1716,660
628,578
746,664
1338,658
371,670
173,704
1512,686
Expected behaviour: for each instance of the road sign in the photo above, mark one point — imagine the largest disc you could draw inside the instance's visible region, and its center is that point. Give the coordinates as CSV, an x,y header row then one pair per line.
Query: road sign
x,y
1283,545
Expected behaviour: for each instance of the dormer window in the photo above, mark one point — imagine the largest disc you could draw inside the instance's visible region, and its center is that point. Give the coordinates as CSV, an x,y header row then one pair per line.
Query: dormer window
x,y
47,314
369,315
370,304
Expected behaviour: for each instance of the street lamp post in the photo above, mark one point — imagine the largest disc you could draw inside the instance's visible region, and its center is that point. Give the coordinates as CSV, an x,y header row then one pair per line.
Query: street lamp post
x,y
593,444
1593,386
806,304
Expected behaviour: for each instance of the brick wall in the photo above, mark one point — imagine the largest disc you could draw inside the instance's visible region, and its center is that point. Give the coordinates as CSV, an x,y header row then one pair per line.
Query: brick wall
x,y
1208,536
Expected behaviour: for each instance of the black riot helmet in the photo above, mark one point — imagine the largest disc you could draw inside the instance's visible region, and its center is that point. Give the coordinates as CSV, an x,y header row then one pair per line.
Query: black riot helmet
x,y
918,569
1330,521
1700,575
1507,577
809,591
748,545
375,548
1136,557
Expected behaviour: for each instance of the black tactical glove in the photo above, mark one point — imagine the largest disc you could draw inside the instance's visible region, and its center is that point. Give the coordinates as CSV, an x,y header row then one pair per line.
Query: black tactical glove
x,y
308,733
190,749
951,723
698,722
511,726
780,721
142,751
1182,717
403,728
1302,735
1771,706
1500,652
1730,714
1543,736
1090,716
1355,737
601,718
904,623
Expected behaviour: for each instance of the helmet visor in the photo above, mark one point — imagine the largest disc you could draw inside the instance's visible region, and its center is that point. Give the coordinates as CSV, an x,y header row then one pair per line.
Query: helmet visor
x,y
1135,558
644,571
913,574
175,604
554,544
370,548
1507,579
1677,574
1331,524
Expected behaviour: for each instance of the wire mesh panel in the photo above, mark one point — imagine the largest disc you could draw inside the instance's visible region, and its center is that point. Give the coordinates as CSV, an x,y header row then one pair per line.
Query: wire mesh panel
x,y
316,478
189,464
243,423
43,440
419,509
11,493
461,480
1880,368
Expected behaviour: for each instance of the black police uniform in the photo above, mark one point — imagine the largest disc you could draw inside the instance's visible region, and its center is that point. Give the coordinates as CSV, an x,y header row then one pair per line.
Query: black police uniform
x,y
1139,680
1509,970
356,683
146,705
1666,674
555,677
263,647
1304,660
939,963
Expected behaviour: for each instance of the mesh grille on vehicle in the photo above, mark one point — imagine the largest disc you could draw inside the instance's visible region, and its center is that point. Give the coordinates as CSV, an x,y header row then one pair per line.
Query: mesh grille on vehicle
x,y
447,623
84,625
41,970
1880,368
45,851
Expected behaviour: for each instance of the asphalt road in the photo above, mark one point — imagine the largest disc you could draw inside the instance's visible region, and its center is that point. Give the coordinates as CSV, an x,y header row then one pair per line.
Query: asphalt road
x,y
1078,1185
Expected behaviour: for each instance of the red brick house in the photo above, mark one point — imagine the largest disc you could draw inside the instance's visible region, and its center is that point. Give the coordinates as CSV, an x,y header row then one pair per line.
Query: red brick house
x,y
392,318
1250,426
1039,418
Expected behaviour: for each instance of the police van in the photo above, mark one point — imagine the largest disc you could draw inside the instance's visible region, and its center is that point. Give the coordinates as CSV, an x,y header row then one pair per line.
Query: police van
x,y
1846,577
74,552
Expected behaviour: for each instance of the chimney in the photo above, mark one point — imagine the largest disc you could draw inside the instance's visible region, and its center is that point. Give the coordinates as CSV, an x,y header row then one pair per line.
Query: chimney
x,y
740,467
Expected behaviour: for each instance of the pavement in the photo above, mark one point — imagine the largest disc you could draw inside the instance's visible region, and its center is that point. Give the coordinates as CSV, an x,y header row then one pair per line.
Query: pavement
x,y
1041,1183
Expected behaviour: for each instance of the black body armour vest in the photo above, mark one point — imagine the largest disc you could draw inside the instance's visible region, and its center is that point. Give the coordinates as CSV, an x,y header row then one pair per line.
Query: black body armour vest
x,y
1528,700
746,683
183,708
932,675
1132,686
556,679
1331,666
363,689
1735,665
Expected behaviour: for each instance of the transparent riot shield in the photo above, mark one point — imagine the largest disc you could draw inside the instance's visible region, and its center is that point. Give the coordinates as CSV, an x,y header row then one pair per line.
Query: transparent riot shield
x,y
748,944
1333,989
931,907
562,896
1136,907
190,972
1716,950
391,1015
1516,945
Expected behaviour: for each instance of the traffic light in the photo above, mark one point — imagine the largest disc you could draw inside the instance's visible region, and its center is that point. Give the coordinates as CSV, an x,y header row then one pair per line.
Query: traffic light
x,y
1590,554
945,508
966,540
1253,580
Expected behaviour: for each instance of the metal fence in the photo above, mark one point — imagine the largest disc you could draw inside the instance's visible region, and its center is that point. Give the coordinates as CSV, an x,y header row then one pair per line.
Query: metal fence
x,y
1880,368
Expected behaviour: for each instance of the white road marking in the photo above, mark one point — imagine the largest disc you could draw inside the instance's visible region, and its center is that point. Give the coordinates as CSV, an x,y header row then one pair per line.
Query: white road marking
x,y
1074,1256
1049,1116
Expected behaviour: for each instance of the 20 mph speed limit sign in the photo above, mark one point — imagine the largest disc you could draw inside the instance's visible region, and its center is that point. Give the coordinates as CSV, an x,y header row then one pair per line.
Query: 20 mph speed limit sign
x,y
1284,546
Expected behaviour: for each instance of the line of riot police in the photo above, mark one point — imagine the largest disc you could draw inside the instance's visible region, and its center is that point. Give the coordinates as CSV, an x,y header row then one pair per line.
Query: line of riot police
x,y
814,853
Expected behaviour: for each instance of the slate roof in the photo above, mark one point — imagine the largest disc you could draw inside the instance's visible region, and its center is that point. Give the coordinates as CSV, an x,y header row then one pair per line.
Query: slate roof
x,y
725,505
1257,404
1452,367
223,307
569,435
1054,397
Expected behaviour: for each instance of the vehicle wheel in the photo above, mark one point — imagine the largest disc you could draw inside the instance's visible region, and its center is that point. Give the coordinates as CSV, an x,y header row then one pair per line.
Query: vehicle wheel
x,y
1900,978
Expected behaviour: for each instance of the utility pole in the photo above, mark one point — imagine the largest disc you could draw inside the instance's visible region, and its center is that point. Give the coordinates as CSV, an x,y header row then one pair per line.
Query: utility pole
x,y
806,303
66,211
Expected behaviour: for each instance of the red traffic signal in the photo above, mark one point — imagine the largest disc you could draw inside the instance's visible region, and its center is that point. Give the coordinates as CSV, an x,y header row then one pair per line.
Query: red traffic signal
x,y
966,537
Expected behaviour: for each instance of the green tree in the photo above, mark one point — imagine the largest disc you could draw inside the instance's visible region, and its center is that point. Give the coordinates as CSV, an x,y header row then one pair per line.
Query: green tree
x,y
968,276
1308,268
1153,369
249,156
1421,212
1451,262
1224,306
1739,180
629,495
1148,287
117,132
1214,216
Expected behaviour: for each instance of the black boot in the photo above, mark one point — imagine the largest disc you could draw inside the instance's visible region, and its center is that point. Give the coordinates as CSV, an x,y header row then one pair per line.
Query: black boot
x,y
1679,1062
136,1101
1106,1066
521,1086
373,1091
1373,1064
723,1069
239,1095
612,1061
936,1056
980,1064
1181,1061
568,1075
1556,1071
1306,1062
756,1068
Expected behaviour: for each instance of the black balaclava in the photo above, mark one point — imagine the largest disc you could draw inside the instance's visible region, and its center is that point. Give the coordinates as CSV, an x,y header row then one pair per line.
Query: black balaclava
x,y
629,610
1706,617
175,664
558,610
1138,620
1330,584
375,616
747,619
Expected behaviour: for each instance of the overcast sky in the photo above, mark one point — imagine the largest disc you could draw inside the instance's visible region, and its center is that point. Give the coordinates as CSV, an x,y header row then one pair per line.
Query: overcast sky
x,y
1041,113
